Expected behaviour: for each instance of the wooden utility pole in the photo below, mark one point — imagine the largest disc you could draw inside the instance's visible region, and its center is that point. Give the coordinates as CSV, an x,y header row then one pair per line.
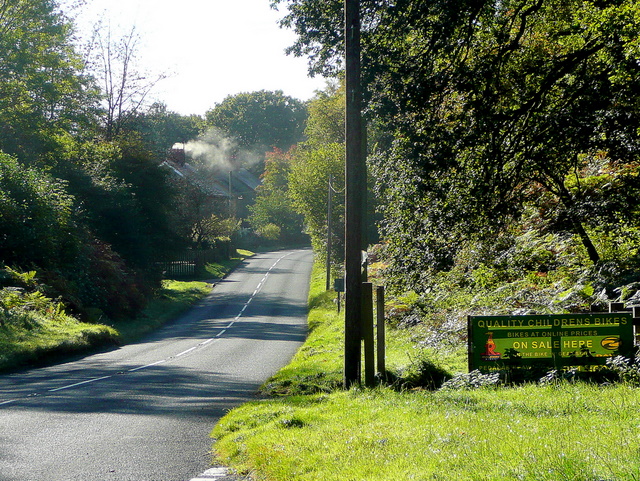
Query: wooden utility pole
x,y
355,182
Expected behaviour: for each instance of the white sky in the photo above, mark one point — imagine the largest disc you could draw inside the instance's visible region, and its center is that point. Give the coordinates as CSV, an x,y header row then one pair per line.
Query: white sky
x,y
210,48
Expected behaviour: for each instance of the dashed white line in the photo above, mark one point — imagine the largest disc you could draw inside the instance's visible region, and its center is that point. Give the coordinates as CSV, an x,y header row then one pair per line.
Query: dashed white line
x,y
79,383
187,351
146,366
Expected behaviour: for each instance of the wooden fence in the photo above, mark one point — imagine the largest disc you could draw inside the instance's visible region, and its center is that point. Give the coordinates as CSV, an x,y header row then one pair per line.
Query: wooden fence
x,y
191,263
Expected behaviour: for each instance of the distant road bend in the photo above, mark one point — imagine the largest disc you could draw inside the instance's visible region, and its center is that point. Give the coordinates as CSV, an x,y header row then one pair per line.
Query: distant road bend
x,y
144,412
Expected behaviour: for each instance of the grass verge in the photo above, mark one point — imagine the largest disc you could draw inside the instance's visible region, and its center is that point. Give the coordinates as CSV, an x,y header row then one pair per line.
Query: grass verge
x,y
31,339
171,300
313,431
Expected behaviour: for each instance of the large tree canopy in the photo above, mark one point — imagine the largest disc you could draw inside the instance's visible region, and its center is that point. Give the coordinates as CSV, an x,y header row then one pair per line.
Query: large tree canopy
x,y
492,106
161,128
260,120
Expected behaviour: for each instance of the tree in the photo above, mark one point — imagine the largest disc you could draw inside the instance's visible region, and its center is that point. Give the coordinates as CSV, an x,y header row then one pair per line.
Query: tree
x,y
125,199
43,90
533,90
325,124
207,231
273,205
308,188
125,88
318,25
488,104
260,120
37,225
160,128
318,160
91,216
41,228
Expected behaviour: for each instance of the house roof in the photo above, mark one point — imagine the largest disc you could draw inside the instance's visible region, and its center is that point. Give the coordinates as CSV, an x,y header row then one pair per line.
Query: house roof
x,y
216,182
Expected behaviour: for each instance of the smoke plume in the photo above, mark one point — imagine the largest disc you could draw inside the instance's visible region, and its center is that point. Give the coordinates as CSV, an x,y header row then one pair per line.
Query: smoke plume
x,y
213,150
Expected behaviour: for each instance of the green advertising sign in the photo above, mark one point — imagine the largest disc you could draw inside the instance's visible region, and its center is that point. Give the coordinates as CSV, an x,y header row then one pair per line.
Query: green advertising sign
x,y
496,342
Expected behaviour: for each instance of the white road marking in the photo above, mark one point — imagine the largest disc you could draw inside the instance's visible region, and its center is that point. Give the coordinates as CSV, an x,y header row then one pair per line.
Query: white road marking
x,y
79,383
146,366
244,307
187,351
213,473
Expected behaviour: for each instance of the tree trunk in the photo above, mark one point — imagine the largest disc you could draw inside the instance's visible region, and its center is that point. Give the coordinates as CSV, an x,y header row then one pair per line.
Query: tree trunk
x,y
568,201
586,240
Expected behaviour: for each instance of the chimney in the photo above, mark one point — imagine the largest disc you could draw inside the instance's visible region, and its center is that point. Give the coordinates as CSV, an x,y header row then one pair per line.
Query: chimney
x,y
177,155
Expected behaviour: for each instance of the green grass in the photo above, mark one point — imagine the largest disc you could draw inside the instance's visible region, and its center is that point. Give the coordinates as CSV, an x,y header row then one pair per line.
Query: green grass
x,y
562,432
39,339
33,338
174,298
317,366
316,431
217,270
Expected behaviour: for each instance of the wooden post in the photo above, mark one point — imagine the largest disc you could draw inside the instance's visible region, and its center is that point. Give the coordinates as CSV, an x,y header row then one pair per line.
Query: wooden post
x,y
381,344
231,213
329,232
367,334
355,183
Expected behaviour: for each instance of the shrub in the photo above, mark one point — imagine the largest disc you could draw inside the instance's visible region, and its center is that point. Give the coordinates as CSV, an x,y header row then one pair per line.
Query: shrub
x,y
424,374
270,232
472,380
628,370
100,284
37,224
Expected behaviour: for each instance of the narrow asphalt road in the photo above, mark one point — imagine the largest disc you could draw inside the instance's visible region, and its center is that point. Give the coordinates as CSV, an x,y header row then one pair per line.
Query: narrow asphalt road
x,y
144,412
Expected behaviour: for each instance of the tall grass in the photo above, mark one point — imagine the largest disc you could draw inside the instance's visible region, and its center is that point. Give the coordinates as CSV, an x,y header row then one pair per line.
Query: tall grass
x,y
34,337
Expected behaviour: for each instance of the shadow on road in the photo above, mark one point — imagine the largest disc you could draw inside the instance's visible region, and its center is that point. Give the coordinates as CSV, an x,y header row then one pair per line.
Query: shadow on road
x,y
162,390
